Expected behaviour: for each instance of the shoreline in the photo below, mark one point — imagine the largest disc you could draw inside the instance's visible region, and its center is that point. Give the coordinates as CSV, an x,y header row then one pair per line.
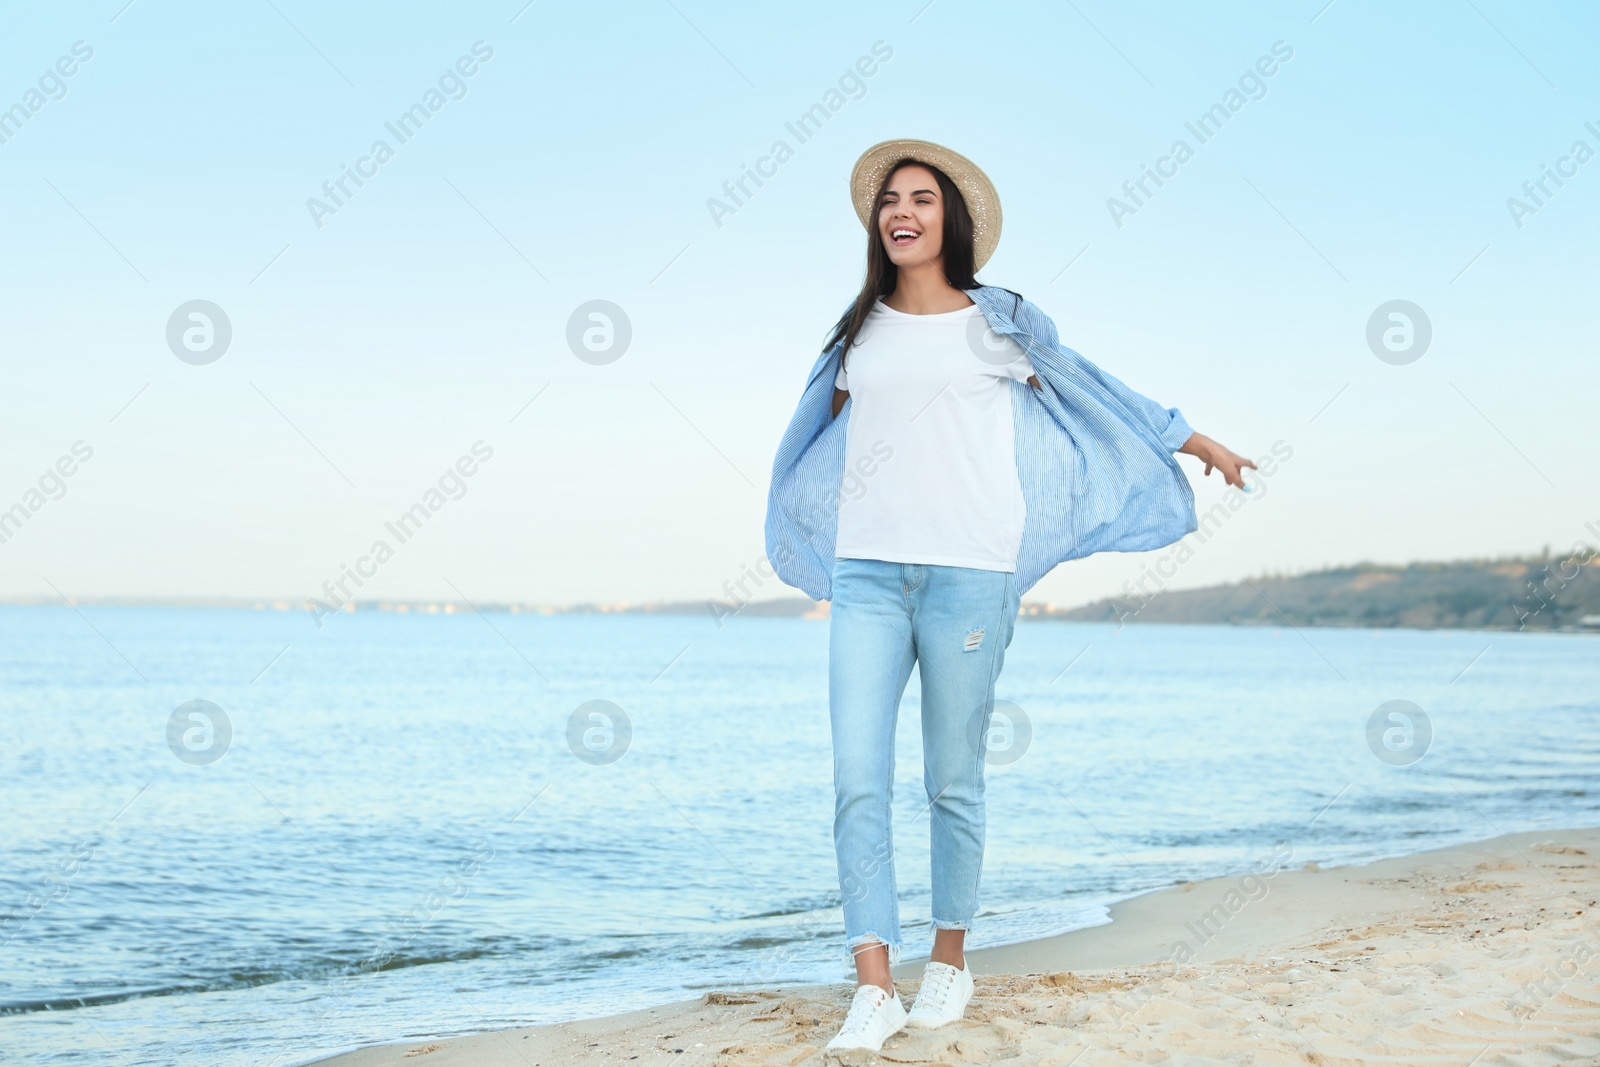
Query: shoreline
x,y
1492,944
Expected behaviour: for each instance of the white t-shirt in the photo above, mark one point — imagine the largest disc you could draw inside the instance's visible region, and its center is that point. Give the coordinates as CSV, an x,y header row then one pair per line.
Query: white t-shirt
x,y
930,450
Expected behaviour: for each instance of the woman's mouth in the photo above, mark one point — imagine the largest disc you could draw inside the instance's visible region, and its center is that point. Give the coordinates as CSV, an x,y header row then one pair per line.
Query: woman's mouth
x,y
901,236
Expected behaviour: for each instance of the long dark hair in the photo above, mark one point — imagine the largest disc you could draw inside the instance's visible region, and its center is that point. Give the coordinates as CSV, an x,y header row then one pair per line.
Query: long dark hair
x,y
882,274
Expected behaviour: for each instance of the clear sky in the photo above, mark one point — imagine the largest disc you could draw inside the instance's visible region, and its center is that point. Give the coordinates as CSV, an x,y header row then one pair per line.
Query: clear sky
x,y
376,339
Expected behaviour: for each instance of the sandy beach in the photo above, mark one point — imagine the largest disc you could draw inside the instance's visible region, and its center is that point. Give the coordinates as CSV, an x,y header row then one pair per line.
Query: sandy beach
x,y
1476,954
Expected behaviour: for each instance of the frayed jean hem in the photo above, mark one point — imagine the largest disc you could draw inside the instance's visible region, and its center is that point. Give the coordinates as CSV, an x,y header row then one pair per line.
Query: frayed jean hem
x,y
940,924
872,940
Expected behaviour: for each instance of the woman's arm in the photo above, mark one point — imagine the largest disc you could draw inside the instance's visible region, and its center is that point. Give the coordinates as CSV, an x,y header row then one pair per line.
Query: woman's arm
x,y
1215,455
1168,423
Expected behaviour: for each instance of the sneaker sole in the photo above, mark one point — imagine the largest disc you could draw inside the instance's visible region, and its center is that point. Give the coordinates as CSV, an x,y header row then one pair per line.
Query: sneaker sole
x,y
862,1048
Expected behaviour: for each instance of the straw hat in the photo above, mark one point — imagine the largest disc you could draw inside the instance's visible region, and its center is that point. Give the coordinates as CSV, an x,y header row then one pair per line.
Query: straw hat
x,y
983,203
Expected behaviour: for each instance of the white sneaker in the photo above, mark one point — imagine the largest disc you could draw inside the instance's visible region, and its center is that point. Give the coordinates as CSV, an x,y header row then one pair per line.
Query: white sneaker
x,y
875,1013
942,998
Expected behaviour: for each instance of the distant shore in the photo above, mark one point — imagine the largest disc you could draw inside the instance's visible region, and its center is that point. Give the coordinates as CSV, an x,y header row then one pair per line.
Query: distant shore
x,y
1527,593
1481,952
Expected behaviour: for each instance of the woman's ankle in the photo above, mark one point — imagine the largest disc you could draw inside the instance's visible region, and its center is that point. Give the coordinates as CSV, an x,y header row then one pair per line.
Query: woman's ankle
x,y
949,947
872,966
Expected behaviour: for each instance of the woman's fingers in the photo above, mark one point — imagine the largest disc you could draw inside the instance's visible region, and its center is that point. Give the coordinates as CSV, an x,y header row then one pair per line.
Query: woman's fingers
x,y
1232,467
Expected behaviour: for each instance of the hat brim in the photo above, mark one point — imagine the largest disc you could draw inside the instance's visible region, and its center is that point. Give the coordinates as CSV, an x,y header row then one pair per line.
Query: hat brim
x,y
983,203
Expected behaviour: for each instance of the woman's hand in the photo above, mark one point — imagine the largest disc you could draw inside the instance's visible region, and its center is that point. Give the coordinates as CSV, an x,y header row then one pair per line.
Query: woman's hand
x,y
1215,455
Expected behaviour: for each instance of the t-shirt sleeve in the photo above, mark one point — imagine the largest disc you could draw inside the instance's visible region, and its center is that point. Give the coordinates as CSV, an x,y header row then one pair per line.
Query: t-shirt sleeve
x,y
1020,368
840,381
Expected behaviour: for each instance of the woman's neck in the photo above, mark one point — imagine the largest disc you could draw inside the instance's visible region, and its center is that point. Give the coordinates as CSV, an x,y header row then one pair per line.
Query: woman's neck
x,y
924,290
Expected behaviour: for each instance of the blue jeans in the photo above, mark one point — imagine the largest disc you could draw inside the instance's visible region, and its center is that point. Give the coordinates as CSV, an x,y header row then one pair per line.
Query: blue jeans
x,y
956,622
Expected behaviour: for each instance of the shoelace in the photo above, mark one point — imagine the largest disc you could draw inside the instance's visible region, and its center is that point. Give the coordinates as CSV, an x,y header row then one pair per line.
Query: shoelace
x,y
862,1008
943,983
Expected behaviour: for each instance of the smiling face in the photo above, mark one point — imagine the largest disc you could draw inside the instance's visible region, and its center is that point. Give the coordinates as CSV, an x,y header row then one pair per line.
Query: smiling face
x,y
911,217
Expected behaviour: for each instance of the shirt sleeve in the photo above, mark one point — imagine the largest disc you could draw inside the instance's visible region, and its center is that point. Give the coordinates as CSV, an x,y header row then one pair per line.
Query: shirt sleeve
x,y
840,381
1167,423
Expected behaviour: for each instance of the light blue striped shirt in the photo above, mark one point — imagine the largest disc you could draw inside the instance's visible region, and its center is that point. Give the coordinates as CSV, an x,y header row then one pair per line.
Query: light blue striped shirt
x,y
1095,460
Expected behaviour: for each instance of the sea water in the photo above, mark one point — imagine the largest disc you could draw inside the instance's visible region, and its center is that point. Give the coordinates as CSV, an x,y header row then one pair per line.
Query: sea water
x,y
398,826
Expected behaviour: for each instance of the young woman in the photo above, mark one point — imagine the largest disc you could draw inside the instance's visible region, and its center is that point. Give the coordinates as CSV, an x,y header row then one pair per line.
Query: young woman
x,y
947,452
